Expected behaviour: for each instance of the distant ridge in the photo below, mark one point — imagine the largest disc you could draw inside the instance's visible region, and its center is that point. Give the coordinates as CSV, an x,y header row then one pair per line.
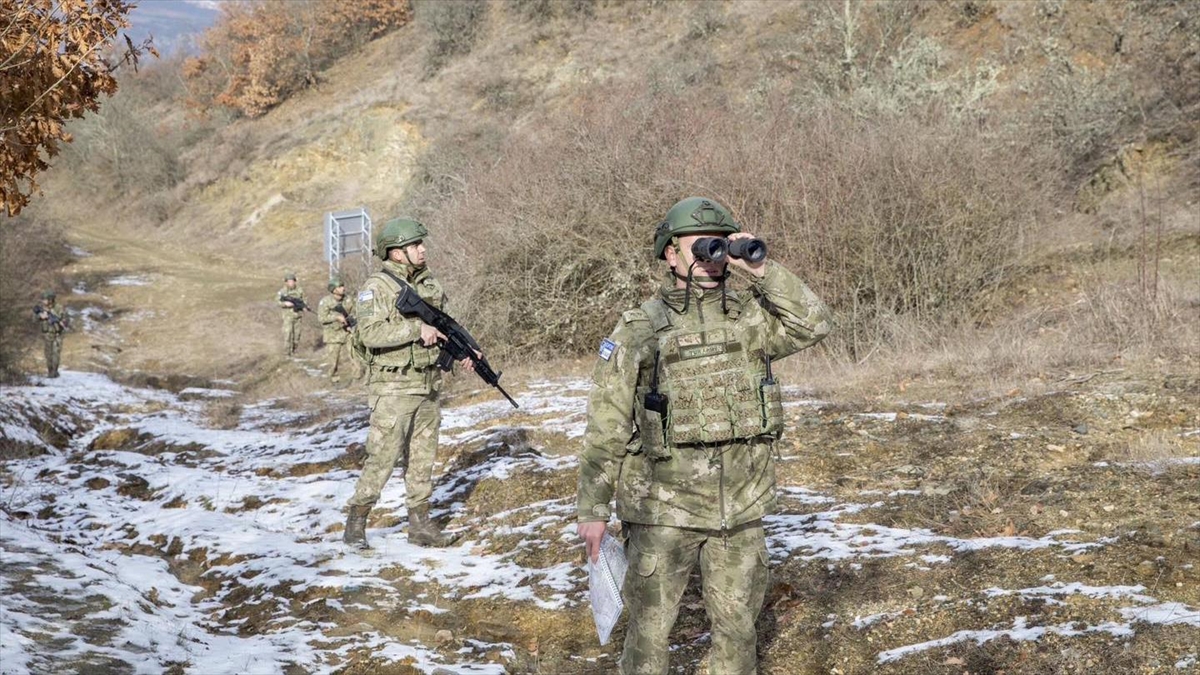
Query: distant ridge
x,y
175,25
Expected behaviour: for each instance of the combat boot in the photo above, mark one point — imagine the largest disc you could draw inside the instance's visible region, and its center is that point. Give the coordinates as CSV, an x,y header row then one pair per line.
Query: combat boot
x,y
424,532
356,527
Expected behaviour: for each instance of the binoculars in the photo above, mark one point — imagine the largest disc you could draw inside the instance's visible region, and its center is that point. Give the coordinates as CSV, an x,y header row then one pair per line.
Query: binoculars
x,y
717,249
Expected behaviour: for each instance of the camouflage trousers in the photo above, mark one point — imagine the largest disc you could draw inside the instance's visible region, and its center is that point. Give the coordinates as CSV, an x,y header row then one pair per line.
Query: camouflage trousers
x,y
404,433
52,345
337,356
733,568
291,332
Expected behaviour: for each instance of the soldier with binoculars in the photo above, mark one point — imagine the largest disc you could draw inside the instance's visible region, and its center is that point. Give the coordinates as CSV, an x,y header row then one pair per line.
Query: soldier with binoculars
x,y
682,419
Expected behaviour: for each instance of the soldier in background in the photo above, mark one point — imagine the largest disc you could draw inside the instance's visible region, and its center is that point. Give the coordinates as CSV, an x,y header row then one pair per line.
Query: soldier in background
x,y
403,384
54,322
291,313
682,418
334,312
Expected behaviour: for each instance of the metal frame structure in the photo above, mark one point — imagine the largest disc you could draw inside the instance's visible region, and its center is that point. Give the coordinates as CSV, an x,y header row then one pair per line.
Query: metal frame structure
x,y
347,235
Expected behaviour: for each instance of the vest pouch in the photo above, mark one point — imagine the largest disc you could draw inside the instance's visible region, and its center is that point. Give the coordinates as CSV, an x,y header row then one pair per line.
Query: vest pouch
x,y
423,357
771,404
712,401
650,429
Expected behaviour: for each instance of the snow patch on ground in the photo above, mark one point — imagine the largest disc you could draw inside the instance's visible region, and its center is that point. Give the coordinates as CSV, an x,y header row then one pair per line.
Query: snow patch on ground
x,y
129,280
1020,631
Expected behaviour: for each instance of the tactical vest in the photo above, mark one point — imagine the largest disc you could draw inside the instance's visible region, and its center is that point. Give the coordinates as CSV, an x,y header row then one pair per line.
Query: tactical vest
x,y
715,384
413,355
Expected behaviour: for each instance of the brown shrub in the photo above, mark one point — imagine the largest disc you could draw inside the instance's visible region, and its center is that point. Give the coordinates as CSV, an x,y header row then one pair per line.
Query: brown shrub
x,y
453,26
885,217
259,54
53,68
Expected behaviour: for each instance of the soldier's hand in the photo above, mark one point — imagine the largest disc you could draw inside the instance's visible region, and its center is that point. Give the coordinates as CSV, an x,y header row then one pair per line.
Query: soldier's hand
x,y
757,269
287,303
591,533
430,336
468,364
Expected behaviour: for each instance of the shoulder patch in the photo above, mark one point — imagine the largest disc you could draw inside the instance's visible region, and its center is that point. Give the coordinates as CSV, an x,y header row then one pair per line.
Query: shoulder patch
x,y
607,347
632,315
366,295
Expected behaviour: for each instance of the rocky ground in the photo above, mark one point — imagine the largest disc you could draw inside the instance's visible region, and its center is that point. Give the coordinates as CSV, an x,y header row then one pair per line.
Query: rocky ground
x,y
192,530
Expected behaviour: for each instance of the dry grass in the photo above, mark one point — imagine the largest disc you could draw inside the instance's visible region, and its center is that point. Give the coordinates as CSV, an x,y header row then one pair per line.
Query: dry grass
x,y
885,217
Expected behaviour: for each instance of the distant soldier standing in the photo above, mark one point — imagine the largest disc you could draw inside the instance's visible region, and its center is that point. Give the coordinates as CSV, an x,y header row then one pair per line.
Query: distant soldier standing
x,y
334,313
291,315
683,416
403,384
54,322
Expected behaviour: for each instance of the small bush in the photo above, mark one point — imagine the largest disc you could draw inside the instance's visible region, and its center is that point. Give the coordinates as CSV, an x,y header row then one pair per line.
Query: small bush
x,y
453,26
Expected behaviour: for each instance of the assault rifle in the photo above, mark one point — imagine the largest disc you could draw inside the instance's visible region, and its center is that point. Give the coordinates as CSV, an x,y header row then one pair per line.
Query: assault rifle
x,y
61,323
351,322
297,304
459,344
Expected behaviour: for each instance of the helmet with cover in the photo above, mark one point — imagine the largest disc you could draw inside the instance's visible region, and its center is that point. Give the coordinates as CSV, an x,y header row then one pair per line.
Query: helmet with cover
x,y
398,233
334,282
694,215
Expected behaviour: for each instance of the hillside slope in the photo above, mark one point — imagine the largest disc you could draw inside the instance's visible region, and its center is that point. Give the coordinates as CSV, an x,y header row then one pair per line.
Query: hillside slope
x,y
380,132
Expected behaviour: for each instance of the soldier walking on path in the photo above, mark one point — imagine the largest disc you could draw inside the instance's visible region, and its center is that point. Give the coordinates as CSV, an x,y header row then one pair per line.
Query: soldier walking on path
x,y
403,384
291,300
335,312
683,415
54,322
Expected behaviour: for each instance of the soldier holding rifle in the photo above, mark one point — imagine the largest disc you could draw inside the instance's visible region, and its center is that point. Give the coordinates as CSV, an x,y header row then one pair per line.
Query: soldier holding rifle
x,y
403,383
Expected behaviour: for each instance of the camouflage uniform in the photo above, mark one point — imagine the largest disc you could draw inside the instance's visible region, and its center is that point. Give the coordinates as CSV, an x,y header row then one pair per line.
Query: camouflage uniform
x,y
291,319
336,336
403,385
52,332
695,485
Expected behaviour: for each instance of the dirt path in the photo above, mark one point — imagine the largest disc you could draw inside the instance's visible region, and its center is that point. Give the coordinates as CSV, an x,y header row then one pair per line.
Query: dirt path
x,y
160,306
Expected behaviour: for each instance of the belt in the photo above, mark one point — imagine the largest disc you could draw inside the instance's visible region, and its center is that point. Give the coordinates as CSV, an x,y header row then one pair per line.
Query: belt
x,y
398,369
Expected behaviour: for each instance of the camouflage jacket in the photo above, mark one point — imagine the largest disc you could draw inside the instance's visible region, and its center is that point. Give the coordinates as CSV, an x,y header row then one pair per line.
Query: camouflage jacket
x,y
399,363
713,486
286,293
333,332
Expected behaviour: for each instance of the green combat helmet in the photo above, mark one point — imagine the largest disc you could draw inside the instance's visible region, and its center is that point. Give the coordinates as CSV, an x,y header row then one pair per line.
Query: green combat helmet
x,y
290,276
398,233
49,295
334,282
694,215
